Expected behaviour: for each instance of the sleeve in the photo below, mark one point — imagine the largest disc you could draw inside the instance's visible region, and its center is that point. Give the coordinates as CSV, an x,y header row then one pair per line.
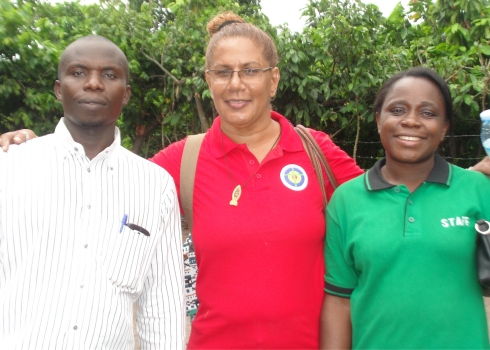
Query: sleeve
x,y
340,275
170,159
160,307
344,168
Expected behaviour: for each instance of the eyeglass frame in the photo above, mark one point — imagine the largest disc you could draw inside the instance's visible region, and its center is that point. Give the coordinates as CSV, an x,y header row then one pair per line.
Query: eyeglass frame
x,y
263,70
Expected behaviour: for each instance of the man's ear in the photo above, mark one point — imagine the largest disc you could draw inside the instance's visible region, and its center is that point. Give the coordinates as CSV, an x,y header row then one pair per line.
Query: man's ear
x,y
127,95
57,90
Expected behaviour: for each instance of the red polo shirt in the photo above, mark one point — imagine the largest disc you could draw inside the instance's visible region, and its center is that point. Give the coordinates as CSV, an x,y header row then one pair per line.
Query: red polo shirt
x,y
260,281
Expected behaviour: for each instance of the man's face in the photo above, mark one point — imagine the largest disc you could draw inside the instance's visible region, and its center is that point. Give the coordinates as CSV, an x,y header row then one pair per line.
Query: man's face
x,y
92,83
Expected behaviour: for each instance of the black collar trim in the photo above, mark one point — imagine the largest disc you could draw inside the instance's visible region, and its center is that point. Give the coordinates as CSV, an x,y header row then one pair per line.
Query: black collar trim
x,y
373,180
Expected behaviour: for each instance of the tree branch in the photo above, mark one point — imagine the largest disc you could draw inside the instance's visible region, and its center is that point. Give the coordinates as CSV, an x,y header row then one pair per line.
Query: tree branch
x,y
177,81
200,112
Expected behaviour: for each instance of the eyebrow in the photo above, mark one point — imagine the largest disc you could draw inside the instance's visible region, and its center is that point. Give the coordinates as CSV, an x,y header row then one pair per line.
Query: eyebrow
x,y
424,103
242,65
83,66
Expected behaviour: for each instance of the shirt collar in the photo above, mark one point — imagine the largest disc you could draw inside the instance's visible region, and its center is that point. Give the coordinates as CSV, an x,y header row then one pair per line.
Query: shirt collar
x,y
289,140
441,173
66,141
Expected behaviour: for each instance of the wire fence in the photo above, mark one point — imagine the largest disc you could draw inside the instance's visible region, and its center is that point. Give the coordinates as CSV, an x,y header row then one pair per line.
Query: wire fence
x,y
463,159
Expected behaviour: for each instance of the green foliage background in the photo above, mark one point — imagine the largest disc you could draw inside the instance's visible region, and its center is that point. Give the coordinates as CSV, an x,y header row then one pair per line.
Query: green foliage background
x,y
330,72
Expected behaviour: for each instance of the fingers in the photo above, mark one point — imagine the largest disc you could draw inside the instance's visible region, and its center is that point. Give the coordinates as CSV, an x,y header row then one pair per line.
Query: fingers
x,y
15,137
483,166
21,136
6,139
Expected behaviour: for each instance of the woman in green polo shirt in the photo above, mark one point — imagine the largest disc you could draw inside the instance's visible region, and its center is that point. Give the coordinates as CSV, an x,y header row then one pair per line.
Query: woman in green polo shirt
x,y
400,247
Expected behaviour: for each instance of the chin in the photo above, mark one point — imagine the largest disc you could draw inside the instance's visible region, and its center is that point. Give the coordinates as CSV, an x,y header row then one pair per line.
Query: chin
x,y
414,159
92,123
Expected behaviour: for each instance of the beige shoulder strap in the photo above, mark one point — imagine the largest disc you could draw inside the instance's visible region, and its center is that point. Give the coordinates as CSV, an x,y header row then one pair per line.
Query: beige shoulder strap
x,y
318,160
188,173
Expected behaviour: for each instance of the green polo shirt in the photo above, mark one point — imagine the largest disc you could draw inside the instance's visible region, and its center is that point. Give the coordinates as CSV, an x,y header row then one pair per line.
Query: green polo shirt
x,y
407,260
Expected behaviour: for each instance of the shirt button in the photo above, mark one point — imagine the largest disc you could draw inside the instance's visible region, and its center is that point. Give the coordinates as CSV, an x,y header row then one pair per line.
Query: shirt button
x,y
76,149
86,246
410,201
88,169
258,176
111,168
75,328
81,286
251,162
411,219
397,190
89,206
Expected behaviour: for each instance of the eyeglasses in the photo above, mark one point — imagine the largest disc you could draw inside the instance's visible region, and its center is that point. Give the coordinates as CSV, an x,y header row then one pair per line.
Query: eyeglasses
x,y
246,74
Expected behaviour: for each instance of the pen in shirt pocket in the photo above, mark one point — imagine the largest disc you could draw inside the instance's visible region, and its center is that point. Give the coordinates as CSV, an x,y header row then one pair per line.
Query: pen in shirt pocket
x,y
124,222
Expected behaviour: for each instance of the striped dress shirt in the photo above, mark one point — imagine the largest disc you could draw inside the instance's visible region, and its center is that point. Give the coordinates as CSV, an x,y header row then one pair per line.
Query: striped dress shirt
x,y
71,263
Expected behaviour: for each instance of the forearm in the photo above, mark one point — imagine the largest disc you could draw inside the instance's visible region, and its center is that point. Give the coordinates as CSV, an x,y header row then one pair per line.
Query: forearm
x,y
336,327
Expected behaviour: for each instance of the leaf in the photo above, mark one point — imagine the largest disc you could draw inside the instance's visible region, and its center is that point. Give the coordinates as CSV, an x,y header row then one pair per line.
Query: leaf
x,y
314,94
403,32
468,99
485,49
294,58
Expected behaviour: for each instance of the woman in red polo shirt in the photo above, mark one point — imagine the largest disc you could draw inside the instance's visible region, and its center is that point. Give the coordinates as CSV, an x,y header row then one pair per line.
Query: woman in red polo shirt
x,y
260,261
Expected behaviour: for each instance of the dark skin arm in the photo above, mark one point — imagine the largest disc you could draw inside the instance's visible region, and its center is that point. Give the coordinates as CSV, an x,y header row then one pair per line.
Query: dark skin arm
x,y
15,137
336,326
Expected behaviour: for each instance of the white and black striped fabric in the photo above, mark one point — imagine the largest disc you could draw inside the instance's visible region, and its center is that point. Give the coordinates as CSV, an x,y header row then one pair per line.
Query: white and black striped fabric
x,y
69,269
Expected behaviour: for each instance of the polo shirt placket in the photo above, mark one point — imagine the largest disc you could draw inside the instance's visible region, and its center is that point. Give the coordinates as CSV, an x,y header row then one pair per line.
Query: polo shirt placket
x,y
412,207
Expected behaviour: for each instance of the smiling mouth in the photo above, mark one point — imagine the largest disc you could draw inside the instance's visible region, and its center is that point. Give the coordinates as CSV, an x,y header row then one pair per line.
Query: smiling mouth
x,y
92,103
237,103
410,138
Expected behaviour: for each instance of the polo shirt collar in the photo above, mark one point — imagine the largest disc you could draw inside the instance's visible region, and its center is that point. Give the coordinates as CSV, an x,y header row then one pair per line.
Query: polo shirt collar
x,y
66,140
441,173
289,140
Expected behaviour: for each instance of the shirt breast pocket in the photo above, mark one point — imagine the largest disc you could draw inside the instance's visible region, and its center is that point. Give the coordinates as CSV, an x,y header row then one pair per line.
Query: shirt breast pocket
x,y
125,256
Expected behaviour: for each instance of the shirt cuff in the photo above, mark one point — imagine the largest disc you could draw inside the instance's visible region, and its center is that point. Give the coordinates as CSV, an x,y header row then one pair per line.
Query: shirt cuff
x,y
337,291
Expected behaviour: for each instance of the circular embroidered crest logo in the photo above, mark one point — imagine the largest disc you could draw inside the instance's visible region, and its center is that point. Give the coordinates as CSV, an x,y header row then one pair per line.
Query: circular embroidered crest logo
x,y
294,177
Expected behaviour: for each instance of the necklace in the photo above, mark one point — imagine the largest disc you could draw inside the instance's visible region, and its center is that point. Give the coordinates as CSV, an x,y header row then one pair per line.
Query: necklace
x,y
237,191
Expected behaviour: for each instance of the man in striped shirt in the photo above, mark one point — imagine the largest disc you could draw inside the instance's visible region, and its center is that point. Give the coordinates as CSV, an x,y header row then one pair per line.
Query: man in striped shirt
x,y
87,227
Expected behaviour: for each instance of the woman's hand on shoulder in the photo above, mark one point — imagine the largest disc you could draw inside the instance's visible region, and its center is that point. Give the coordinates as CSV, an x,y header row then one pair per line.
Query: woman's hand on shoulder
x,y
483,166
15,138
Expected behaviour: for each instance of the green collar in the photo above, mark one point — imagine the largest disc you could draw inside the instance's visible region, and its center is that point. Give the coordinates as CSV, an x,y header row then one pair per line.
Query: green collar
x,y
441,173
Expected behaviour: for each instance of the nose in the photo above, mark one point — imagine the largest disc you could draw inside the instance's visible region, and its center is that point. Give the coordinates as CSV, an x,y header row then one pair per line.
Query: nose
x,y
94,82
411,119
235,80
